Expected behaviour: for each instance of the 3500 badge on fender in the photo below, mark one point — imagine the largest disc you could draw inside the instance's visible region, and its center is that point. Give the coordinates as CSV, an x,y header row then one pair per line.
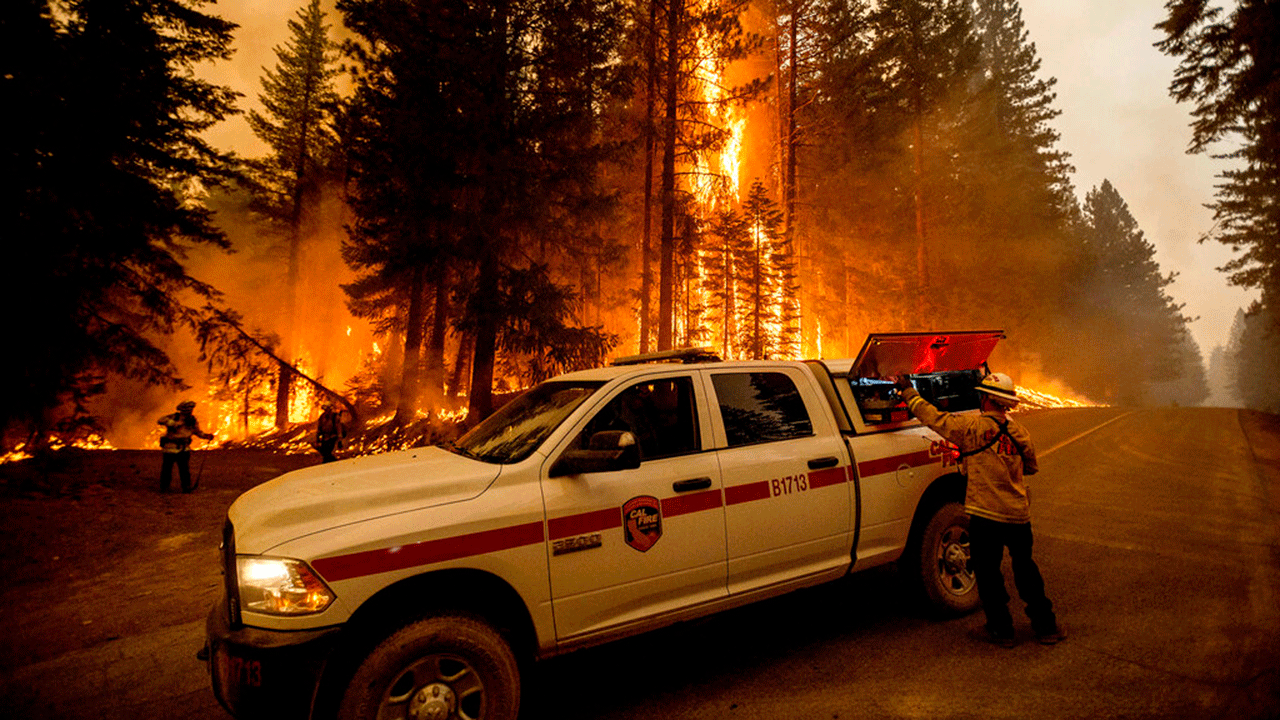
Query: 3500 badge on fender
x,y
642,522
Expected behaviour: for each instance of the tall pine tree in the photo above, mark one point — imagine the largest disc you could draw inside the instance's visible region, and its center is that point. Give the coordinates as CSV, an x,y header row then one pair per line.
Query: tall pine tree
x,y
924,50
1230,71
759,278
1013,194
478,140
698,41
1123,299
300,103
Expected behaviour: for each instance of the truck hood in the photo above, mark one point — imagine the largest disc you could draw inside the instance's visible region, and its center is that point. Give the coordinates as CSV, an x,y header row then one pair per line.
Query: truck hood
x,y
890,354
326,496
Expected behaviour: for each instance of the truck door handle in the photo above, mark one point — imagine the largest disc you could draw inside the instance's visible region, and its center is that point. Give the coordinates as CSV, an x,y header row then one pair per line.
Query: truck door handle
x,y
825,462
701,483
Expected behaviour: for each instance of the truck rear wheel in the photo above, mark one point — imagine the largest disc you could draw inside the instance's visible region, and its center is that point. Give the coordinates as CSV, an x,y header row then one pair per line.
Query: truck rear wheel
x,y
943,562
438,668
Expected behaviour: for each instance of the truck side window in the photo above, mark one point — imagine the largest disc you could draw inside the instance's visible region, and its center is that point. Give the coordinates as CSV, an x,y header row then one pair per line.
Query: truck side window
x,y
660,413
760,407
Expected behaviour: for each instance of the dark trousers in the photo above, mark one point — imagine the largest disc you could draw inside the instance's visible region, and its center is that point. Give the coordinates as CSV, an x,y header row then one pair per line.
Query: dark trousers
x,y
183,461
326,448
987,541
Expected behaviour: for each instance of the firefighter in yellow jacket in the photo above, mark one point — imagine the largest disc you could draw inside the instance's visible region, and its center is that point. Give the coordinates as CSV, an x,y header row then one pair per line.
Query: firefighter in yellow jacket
x,y
996,454
179,428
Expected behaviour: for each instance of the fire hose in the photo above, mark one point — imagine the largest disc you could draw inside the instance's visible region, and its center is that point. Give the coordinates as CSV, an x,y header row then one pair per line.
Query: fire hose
x,y
200,469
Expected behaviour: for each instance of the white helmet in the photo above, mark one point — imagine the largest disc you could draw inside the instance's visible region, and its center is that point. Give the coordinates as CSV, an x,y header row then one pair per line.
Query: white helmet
x,y
1000,387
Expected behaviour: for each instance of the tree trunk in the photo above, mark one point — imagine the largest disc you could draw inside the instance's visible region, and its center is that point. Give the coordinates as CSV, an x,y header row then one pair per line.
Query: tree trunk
x,y
665,263
284,389
284,385
465,345
757,301
790,193
407,404
789,175
646,249
481,395
435,345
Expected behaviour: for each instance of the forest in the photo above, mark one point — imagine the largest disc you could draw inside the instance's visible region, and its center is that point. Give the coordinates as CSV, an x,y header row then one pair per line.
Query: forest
x,y
461,198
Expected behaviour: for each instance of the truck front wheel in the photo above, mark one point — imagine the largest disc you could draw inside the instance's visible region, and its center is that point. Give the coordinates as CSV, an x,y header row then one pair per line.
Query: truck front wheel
x,y
438,668
943,562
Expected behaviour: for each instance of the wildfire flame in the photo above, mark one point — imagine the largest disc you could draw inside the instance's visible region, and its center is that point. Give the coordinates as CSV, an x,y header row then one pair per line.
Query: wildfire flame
x,y
1038,399
92,441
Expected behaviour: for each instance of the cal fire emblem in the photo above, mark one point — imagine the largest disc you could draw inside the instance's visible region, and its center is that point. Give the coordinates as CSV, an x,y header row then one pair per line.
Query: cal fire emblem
x,y
642,522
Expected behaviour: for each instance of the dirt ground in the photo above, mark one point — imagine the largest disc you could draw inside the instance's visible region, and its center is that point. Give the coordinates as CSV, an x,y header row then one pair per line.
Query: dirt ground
x,y
92,552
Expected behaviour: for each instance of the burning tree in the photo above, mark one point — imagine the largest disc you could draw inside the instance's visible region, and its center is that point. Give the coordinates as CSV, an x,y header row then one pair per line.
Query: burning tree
x,y
239,370
244,366
693,44
300,106
765,280
731,233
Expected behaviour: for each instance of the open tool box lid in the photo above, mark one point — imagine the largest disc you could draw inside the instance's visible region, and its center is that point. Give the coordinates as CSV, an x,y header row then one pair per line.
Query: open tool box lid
x,y
944,367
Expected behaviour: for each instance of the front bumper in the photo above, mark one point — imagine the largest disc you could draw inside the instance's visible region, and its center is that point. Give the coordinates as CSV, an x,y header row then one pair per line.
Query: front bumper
x,y
266,673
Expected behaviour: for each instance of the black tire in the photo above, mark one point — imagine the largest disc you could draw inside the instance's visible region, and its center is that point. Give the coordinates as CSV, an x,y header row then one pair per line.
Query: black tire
x,y
943,562
447,667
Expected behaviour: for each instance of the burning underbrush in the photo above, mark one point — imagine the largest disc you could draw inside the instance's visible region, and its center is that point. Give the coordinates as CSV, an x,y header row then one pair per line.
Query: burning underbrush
x,y
376,436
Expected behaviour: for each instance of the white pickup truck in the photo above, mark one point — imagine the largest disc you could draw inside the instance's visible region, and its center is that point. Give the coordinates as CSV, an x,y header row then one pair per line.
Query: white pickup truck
x,y
599,504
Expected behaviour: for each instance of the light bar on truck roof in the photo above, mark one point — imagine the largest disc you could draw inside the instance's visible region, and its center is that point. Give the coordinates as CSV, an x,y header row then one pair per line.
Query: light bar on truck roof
x,y
683,355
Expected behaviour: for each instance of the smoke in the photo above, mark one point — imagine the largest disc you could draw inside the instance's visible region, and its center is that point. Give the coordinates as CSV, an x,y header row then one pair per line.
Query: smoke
x,y
326,341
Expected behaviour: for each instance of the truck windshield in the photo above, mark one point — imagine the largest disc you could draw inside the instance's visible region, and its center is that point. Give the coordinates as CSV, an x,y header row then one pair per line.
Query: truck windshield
x,y
513,432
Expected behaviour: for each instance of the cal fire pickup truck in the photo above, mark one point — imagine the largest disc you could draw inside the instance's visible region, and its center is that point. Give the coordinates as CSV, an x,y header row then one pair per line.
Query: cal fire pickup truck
x,y
599,504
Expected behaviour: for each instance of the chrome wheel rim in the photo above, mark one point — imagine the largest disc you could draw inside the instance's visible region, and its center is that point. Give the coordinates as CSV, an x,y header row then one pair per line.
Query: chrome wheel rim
x,y
954,574
435,687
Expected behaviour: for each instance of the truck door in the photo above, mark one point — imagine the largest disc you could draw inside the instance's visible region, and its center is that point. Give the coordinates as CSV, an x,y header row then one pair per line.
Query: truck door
x,y
787,495
893,469
630,544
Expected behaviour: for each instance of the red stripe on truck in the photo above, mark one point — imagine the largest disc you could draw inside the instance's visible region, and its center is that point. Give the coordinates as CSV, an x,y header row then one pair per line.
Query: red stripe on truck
x,y
691,503
746,493
828,476
583,523
371,562
893,462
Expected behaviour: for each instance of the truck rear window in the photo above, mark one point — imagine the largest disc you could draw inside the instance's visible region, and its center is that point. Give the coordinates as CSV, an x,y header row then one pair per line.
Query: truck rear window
x,y
760,407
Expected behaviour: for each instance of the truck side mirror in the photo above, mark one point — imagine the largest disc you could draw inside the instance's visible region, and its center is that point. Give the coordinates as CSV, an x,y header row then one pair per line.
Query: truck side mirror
x,y
606,451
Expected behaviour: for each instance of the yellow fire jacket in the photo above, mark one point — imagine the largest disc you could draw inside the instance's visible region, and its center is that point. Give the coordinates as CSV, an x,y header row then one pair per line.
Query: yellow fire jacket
x,y
996,489
178,430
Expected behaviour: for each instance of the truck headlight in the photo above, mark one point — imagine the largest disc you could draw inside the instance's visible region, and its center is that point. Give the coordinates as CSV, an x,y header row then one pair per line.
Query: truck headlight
x,y
280,586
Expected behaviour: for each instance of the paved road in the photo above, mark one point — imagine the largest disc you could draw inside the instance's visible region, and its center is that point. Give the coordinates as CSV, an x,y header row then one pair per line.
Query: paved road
x,y
1158,533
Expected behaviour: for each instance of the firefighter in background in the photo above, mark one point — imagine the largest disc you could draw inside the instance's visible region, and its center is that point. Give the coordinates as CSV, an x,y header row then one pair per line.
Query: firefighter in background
x,y
996,453
330,432
175,445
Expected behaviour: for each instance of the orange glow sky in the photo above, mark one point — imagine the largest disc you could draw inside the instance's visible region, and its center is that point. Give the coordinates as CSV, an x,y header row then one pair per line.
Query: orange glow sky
x,y
1118,122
